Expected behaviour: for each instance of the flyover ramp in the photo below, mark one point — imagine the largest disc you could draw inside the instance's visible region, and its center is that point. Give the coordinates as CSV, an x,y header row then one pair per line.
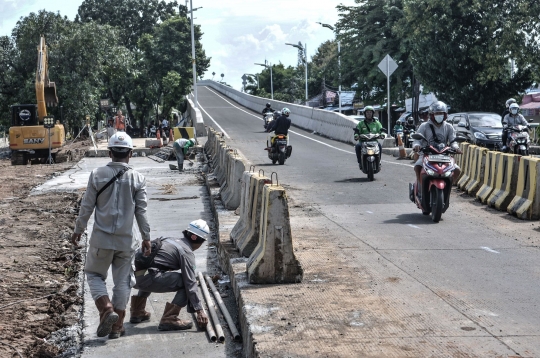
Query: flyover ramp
x,y
381,279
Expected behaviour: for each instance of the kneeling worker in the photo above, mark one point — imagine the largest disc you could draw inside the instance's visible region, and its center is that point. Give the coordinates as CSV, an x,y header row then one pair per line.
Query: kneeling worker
x,y
170,267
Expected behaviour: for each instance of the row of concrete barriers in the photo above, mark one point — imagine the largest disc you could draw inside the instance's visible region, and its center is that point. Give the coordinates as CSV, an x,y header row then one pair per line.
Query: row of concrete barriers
x,y
263,231
506,182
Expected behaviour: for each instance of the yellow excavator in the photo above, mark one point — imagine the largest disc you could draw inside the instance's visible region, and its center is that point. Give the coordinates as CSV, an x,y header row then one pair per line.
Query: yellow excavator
x,y
28,138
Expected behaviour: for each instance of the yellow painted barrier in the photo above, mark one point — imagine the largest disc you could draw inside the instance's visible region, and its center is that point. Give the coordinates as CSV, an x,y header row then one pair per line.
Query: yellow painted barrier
x,y
490,174
526,203
184,132
505,182
477,169
461,158
466,170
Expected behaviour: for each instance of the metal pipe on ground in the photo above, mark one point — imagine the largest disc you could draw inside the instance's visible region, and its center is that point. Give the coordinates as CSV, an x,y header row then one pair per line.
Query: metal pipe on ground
x,y
223,308
211,309
210,329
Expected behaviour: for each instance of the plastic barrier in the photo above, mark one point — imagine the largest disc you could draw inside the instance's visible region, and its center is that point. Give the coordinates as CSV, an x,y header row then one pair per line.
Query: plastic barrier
x,y
231,194
477,168
526,203
466,170
184,132
505,182
249,238
273,260
490,175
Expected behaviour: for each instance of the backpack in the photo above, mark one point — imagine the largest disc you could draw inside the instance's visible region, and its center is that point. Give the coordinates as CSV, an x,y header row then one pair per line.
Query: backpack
x,y
145,262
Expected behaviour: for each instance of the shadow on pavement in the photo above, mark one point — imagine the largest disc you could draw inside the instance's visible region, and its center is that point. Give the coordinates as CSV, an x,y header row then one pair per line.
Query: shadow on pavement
x,y
412,218
354,180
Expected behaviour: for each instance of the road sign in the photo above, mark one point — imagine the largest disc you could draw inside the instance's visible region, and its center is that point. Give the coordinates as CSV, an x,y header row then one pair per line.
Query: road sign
x,y
388,65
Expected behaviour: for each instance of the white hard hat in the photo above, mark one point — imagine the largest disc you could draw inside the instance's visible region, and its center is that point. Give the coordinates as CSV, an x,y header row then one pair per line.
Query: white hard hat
x,y
121,142
193,141
200,228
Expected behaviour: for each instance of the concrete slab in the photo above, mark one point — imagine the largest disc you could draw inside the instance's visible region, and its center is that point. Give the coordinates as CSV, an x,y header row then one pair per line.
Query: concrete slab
x,y
175,199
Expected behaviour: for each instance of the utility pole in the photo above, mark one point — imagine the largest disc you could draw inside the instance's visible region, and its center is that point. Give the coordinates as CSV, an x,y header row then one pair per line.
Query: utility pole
x,y
193,55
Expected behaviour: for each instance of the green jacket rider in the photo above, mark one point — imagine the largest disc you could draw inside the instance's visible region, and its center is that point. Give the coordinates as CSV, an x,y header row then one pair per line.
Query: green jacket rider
x,y
369,125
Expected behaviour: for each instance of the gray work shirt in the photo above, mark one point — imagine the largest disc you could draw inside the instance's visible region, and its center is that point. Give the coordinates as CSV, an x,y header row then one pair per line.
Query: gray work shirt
x,y
115,209
514,120
445,133
176,254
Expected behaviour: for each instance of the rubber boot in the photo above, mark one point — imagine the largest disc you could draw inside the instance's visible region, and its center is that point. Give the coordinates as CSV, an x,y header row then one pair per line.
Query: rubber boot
x,y
107,316
137,310
181,167
170,321
118,329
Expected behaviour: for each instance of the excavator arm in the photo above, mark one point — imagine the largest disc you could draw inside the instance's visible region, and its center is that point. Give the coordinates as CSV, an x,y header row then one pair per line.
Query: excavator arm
x,y
45,89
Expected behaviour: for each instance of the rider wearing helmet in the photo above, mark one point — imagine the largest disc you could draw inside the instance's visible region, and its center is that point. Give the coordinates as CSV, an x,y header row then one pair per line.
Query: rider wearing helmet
x,y
507,109
370,124
398,128
436,130
280,125
513,118
267,109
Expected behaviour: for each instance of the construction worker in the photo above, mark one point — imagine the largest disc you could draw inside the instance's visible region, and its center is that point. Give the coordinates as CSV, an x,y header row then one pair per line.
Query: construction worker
x,y
120,122
170,267
181,148
118,195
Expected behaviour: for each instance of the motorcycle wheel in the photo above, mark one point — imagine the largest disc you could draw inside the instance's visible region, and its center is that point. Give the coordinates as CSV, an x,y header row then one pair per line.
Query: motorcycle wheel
x,y
370,171
281,158
437,203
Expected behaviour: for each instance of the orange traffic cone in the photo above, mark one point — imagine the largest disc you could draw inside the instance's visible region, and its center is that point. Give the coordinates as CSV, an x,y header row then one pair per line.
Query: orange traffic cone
x,y
402,152
171,135
158,135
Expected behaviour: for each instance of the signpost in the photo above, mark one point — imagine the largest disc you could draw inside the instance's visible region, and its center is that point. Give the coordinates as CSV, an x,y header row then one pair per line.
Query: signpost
x,y
388,66
244,81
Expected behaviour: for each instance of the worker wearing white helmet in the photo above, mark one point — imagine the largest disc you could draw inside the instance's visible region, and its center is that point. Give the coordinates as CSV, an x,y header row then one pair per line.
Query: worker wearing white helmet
x,y
181,149
118,195
170,267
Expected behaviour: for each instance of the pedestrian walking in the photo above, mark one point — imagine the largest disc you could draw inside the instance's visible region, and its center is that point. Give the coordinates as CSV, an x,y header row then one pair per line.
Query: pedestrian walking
x,y
170,267
120,122
117,193
181,148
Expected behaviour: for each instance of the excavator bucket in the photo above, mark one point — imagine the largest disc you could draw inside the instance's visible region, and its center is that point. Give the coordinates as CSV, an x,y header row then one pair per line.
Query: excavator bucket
x,y
50,94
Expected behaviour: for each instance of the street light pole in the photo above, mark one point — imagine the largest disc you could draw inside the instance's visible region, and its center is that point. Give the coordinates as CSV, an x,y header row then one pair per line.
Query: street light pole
x,y
271,76
304,49
193,56
339,61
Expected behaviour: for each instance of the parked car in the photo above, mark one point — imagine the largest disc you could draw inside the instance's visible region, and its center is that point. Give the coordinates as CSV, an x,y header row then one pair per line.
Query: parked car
x,y
480,128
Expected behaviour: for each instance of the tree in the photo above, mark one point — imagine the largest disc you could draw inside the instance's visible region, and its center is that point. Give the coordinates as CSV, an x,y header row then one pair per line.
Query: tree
x,y
461,49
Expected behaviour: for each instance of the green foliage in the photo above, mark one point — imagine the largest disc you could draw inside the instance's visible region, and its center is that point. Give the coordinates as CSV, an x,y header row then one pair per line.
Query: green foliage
x,y
288,83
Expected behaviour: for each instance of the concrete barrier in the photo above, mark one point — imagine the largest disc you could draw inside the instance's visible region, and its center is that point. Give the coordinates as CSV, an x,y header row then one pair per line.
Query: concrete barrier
x,y
330,124
223,165
526,203
459,157
197,119
244,210
477,169
231,196
209,145
466,170
184,132
490,176
505,182
273,260
248,239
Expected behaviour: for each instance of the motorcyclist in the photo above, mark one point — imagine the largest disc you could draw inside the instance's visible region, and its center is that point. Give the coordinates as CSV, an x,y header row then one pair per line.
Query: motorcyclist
x,y
398,128
280,125
507,110
267,109
512,119
369,124
436,130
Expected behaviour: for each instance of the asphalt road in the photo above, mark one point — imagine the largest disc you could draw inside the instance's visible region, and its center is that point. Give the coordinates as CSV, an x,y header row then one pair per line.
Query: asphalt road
x,y
477,265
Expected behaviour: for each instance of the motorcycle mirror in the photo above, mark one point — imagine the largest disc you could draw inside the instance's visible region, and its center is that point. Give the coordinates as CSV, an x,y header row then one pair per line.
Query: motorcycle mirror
x,y
384,130
418,136
461,139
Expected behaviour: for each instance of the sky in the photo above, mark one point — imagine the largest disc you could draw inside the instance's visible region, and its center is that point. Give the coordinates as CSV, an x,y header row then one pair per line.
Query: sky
x,y
237,33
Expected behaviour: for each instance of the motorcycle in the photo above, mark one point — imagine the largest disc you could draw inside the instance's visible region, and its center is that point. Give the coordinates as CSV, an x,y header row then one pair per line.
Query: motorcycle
x,y
371,156
280,150
267,118
437,176
407,135
518,140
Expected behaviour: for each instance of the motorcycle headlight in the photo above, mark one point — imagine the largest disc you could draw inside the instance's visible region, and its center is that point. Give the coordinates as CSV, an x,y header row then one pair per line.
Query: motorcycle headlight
x,y
370,152
479,135
430,172
448,173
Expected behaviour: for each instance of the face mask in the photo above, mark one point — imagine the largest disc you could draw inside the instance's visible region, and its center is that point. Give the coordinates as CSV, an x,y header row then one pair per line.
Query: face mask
x,y
439,118
514,110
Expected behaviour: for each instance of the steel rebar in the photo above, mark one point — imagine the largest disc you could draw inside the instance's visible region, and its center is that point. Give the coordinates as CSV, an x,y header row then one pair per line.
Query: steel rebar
x,y
211,309
223,308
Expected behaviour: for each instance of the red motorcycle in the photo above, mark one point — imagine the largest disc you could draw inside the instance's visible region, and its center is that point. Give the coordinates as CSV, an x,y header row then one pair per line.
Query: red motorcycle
x,y
437,176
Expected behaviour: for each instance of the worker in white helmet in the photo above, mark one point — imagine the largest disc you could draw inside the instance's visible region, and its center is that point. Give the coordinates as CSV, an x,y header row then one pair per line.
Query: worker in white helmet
x,y
170,267
181,148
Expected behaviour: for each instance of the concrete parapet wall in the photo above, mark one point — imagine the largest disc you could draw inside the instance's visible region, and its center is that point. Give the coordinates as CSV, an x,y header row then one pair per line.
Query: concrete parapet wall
x,y
330,124
197,118
273,260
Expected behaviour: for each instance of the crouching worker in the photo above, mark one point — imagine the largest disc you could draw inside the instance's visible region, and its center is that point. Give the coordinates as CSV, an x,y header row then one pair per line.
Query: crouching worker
x,y
170,267
181,148
117,195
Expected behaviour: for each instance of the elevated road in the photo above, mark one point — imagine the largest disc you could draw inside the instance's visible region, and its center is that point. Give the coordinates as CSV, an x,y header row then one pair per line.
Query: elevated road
x,y
404,286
